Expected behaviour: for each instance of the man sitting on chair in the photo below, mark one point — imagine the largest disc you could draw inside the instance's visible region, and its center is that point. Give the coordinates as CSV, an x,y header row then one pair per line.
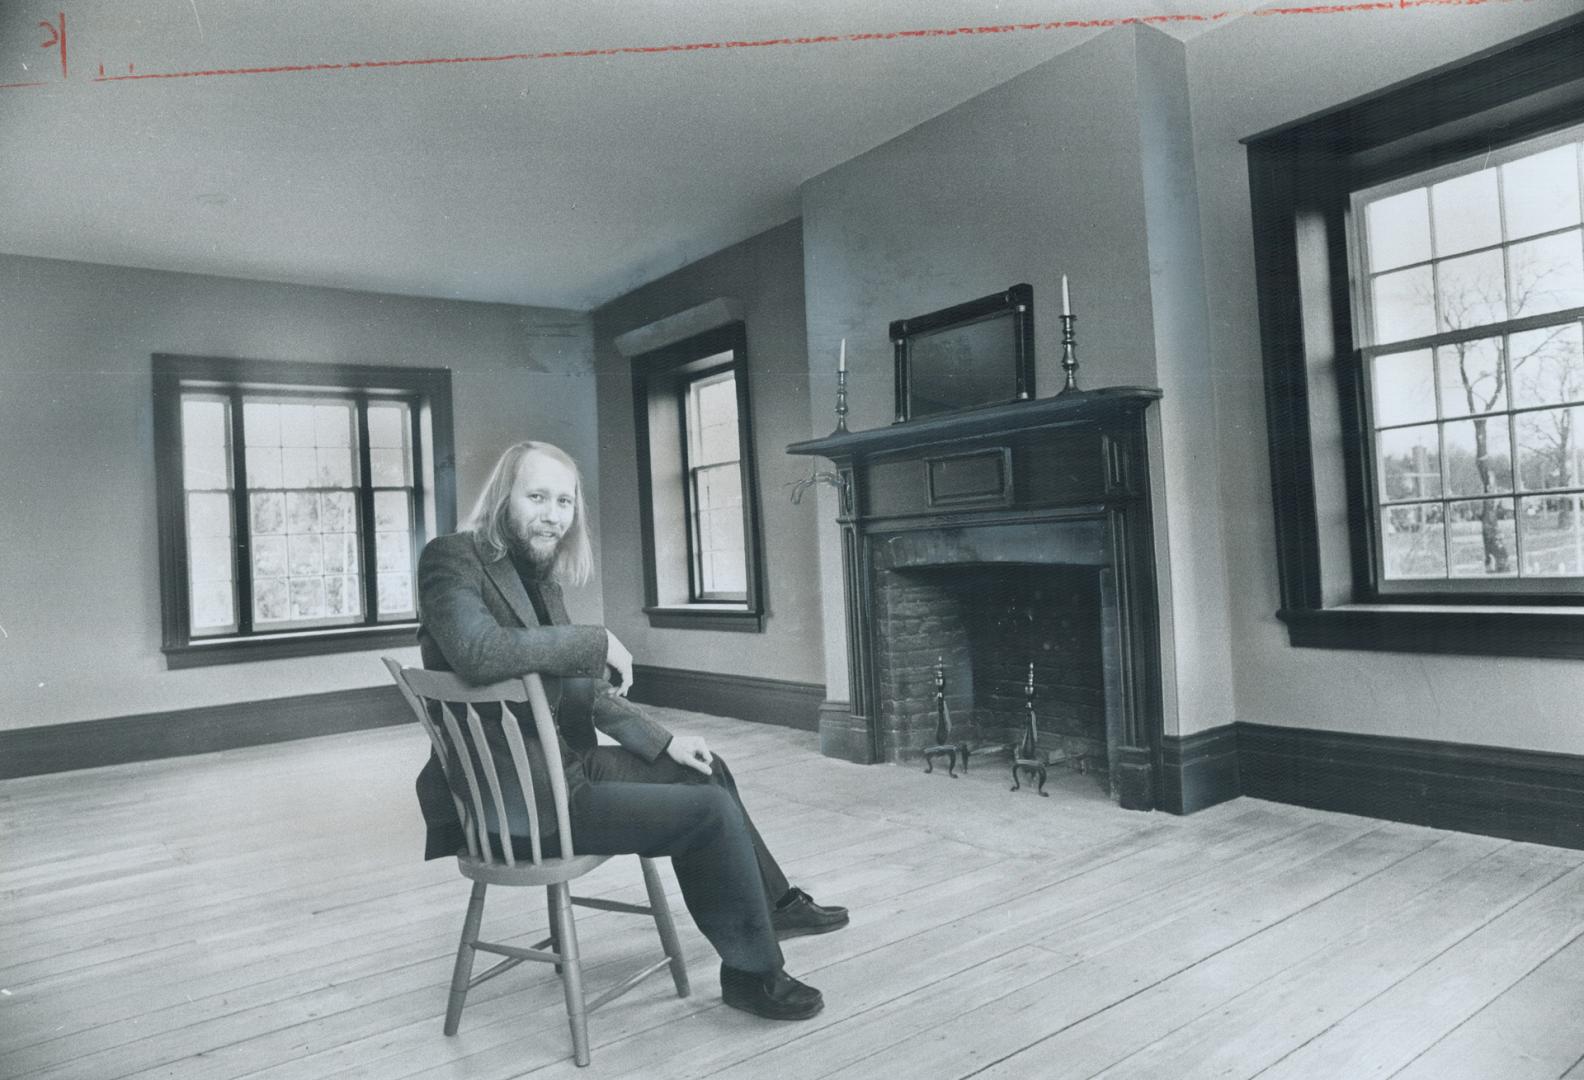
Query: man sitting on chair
x,y
490,606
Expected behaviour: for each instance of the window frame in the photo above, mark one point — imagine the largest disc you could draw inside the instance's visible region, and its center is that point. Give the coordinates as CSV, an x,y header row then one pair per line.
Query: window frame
x,y
1517,588
1301,179
660,380
427,392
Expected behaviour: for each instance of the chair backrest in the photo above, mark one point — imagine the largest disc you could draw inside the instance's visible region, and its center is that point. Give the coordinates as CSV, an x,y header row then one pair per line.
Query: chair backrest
x,y
445,705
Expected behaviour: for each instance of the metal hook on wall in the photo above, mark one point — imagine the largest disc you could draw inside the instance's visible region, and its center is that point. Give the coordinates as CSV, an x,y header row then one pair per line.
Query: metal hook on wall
x,y
817,477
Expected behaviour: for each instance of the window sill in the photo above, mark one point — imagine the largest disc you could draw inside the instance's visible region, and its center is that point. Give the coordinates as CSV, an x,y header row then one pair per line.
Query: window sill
x,y
283,646
1549,632
706,617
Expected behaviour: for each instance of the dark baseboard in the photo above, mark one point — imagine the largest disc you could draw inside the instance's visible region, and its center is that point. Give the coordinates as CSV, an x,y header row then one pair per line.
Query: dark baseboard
x,y
116,740
745,697
1495,791
1200,770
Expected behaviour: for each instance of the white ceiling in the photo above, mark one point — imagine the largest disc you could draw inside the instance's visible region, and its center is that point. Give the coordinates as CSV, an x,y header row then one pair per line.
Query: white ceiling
x,y
549,180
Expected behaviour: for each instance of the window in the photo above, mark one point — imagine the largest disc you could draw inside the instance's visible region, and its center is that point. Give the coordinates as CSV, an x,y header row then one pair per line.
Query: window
x,y
294,499
719,566
1420,267
1471,291
696,483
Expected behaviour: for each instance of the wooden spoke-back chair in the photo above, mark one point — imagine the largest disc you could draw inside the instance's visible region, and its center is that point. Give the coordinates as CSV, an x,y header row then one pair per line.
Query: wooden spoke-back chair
x,y
444,705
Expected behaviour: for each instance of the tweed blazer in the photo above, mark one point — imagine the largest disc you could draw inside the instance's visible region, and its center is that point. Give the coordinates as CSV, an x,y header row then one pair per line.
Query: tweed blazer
x,y
476,620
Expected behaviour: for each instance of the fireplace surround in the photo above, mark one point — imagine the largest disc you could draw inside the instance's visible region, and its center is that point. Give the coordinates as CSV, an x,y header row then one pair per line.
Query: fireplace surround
x,y
990,539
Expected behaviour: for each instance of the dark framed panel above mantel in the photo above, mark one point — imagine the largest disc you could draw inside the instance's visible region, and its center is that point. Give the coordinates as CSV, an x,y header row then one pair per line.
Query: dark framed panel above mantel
x,y
1300,179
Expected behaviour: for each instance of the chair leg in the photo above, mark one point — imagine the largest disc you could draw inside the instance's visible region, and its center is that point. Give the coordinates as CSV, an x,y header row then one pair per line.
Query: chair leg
x,y
571,969
664,924
464,959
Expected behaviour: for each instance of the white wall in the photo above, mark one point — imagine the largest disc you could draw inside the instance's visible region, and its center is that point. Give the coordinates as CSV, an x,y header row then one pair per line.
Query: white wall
x,y
1245,77
79,564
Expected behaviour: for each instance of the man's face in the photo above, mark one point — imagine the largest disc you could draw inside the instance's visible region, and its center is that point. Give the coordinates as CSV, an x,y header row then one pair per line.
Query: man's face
x,y
543,503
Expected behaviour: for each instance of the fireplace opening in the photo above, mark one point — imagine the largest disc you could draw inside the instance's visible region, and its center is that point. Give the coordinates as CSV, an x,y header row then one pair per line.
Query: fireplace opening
x,y
981,626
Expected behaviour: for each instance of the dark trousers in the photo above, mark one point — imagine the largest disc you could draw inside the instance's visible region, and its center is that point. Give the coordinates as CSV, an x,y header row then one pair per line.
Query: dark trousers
x,y
728,877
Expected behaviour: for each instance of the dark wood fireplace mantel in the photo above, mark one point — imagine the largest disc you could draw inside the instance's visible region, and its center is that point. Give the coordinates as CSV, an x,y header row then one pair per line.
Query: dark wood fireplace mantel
x,y
1069,466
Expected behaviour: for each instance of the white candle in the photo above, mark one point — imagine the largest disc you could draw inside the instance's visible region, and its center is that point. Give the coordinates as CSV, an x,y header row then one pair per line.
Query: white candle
x,y
1066,299
841,361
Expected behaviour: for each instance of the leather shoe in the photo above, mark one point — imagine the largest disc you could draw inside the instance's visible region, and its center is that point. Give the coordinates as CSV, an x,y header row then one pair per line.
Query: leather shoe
x,y
777,996
801,915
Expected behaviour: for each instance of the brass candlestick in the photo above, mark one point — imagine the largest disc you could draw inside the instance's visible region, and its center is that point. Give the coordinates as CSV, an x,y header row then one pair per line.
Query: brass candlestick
x,y
841,401
1069,360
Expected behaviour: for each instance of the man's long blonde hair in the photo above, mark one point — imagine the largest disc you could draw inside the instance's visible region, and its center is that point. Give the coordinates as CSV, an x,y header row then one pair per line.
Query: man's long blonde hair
x,y
490,520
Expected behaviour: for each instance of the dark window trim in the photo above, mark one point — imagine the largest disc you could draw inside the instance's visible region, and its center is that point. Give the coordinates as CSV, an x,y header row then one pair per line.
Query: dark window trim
x,y
421,388
667,371
1300,179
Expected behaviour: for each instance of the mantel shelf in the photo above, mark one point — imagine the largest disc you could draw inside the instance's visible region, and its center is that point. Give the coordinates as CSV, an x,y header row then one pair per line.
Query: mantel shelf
x,y
1089,407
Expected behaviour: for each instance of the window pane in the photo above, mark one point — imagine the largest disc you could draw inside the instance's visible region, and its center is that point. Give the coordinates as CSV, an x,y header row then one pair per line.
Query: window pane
x,y
204,422
1465,213
1548,365
718,443
336,512
342,596
389,467
206,467
1548,449
269,600
209,558
1414,540
1472,379
340,553
335,467
1553,536
213,606
718,400
725,530
269,513
1403,305
1409,463
388,426
1541,192
262,421
209,514
297,425
1547,274
1484,538
1398,230
333,425
1403,388
269,556
395,594
305,556
390,510
206,445
299,465
1471,291
726,573
302,512
393,552
307,598
1478,457
263,465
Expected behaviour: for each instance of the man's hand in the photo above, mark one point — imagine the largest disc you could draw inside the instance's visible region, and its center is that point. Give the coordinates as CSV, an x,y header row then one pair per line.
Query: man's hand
x,y
690,750
620,661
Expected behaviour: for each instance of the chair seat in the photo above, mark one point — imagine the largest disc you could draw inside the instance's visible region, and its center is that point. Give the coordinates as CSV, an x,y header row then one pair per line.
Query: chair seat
x,y
545,872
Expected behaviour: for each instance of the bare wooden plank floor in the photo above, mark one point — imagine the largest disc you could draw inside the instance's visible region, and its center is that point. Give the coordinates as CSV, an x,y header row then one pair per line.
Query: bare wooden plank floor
x,y
264,913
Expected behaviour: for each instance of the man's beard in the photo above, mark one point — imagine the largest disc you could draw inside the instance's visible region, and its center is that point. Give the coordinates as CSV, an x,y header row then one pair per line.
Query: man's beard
x,y
538,552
